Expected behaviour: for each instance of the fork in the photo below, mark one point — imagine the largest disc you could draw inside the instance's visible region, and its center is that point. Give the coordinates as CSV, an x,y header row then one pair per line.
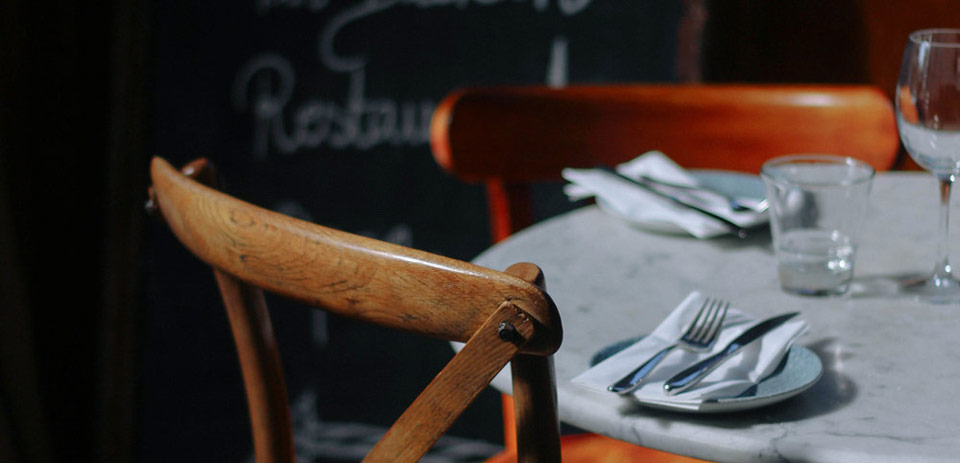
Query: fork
x,y
699,336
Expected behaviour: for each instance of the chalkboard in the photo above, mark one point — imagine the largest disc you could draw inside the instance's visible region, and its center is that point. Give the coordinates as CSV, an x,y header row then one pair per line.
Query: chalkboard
x,y
320,109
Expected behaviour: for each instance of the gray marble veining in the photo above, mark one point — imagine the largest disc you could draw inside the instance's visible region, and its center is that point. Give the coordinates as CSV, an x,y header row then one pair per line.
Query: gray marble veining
x,y
891,364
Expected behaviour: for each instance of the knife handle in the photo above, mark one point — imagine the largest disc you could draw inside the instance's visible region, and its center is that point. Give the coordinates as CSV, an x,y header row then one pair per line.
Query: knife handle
x,y
692,375
735,229
630,382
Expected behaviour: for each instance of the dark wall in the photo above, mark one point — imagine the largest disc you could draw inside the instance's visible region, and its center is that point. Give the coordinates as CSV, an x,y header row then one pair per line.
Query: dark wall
x,y
321,110
54,74
113,343
323,107
787,41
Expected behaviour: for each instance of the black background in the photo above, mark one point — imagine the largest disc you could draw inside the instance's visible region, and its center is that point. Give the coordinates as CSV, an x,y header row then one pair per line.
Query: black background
x,y
389,188
113,344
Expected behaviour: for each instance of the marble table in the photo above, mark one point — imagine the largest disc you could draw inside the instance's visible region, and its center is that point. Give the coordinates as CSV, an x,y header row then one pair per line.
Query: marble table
x,y
891,364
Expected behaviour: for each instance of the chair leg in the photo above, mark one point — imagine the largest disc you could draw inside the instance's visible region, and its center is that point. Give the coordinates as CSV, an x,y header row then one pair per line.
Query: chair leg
x,y
510,208
509,424
262,373
535,405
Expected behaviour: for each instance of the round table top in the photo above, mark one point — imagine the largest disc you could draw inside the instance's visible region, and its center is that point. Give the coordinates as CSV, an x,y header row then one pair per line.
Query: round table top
x,y
891,363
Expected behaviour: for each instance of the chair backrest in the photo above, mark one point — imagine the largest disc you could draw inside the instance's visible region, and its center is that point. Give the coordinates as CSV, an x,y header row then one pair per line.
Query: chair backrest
x,y
508,137
501,316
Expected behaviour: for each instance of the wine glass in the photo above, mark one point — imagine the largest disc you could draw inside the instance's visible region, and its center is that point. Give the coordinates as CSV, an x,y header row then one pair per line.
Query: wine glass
x,y
928,117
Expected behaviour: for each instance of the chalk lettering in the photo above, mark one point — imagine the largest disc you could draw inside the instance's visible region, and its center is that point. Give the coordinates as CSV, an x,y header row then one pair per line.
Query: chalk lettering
x,y
327,38
264,87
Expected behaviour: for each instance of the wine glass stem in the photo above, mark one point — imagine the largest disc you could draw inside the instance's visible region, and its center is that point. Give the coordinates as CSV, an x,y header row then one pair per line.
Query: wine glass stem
x,y
942,270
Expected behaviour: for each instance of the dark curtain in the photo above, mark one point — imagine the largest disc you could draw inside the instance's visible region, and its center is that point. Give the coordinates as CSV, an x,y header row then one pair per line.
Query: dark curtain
x,y
71,181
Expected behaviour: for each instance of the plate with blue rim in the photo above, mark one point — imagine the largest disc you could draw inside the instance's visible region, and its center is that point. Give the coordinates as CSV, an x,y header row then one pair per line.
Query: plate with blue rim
x,y
798,371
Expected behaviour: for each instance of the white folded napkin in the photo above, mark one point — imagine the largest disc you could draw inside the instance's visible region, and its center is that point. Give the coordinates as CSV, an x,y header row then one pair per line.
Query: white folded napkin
x,y
637,204
748,367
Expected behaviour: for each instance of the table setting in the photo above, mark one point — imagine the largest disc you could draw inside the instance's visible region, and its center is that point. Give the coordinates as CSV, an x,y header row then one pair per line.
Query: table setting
x,y
735,375
614,283
673,200
820,196
858,362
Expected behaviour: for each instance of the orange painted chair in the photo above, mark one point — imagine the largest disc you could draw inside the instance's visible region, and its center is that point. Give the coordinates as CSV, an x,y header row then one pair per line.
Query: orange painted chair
x,y
511,137
501,316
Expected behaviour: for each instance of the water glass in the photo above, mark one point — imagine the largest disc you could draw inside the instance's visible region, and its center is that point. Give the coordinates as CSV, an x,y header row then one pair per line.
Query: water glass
x,y
817,203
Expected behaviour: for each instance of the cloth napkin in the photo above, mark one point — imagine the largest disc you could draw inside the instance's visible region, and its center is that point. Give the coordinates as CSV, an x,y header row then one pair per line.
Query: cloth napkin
x,y
636,204
752,364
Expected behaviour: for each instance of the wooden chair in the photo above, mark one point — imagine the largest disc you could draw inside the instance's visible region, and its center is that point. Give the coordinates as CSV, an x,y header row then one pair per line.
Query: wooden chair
x,y
510,137
502,317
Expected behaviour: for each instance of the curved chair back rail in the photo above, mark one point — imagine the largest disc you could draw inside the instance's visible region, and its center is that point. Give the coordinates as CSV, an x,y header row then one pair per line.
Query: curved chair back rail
x,y
347,274
521,134
502,317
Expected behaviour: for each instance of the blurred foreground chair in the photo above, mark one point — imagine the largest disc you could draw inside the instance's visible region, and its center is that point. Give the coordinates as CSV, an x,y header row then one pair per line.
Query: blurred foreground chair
x,y
502,317
511,137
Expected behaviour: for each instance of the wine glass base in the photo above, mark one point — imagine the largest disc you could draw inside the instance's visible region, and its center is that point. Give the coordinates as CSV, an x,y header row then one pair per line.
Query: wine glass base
x,y
934,289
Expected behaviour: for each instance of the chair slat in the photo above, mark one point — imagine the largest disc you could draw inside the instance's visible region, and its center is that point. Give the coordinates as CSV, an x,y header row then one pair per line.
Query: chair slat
x,y
498,314
354,276
454,388
262,372
521,134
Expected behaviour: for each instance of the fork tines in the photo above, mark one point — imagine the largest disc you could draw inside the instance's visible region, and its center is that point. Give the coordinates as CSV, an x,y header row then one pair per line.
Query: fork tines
x,y
706,325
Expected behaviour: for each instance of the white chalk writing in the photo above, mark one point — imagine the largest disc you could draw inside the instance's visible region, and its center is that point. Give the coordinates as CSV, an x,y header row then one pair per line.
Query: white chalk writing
x,y
264,86
367,8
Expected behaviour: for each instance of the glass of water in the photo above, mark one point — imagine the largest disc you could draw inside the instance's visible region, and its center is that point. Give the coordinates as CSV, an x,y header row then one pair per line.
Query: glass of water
x,y
817,203
928,116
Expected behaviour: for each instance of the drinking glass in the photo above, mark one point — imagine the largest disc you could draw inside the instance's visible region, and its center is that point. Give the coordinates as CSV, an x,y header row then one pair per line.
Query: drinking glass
x,y
817,204
928,117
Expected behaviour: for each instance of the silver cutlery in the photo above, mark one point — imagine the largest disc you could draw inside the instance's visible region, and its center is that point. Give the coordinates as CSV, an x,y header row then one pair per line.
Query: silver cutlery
x,y
699,336
692,375
735,204
691,203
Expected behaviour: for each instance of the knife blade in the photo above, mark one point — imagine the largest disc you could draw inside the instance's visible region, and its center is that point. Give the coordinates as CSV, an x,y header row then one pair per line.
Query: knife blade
x,y
735,229
692,375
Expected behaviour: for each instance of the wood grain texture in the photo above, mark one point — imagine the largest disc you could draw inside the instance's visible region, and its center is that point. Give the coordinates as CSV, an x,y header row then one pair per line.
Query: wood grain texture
x,y
262,372
251,248
535,409
347,274
536,418
455,387
521,134
257,350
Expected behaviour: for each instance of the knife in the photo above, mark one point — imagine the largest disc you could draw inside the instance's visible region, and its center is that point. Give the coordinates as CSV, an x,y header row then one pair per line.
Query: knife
x,y
692,376
737,230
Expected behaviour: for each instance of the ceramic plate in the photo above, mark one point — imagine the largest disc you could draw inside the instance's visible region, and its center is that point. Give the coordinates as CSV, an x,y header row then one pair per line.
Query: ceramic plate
x,y
732,183
798,371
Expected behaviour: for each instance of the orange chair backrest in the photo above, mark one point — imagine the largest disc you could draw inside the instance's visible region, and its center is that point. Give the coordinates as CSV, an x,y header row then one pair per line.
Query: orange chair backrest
x,y
510,136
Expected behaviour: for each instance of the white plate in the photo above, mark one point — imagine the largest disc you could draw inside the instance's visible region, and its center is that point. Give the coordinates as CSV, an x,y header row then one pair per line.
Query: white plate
x,y
800,369
735,184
